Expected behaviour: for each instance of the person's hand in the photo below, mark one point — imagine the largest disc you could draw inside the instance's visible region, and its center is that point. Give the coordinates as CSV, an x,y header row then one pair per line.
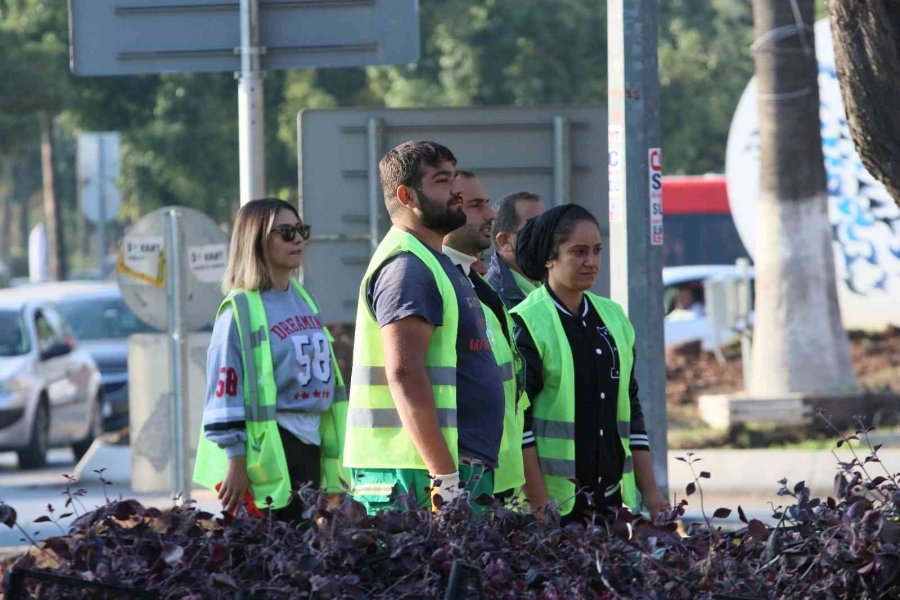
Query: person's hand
x,y
545,513
656,503
236,484
448,487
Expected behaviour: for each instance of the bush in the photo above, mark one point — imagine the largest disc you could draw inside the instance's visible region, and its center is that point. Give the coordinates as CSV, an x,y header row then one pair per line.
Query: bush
x,y
845,546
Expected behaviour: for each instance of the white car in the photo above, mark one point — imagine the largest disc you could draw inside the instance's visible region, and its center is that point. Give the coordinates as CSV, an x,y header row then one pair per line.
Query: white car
x,y
102,324
49,387
684,304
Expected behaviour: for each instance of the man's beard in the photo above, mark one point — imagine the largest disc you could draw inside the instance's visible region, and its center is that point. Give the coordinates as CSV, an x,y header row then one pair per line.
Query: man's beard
x,y
437,216
468,239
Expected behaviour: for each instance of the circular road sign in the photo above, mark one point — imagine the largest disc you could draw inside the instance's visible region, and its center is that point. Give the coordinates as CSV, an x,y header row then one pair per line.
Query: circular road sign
x,y
144,260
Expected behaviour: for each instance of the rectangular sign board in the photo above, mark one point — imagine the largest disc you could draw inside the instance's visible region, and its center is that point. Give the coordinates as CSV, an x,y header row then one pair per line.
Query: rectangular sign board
x,y
510,149
130,37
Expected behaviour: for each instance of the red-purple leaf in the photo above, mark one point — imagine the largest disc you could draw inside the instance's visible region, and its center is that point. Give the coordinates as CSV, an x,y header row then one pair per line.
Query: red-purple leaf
x,y
43,519
758,530
741,514
704,475
721,513
690,488
7,515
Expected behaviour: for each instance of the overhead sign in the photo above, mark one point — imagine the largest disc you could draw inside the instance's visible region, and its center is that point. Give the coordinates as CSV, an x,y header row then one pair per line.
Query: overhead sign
x,y
130,37
556,152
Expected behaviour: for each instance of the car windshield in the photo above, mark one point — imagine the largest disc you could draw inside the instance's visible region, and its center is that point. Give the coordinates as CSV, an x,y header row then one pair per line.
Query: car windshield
x,y
101,318
13,335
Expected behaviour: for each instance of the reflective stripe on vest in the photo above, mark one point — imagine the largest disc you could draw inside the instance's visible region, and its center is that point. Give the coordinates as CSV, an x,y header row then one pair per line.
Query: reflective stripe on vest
x,y
251,402
377,418
564,430
378,375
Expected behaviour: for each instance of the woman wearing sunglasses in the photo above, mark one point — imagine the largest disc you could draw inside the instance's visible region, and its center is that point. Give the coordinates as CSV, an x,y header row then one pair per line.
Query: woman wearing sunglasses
x,y
273,418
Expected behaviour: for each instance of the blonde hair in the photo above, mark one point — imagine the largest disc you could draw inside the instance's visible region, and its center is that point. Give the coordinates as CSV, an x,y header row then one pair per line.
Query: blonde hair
x,y
248,258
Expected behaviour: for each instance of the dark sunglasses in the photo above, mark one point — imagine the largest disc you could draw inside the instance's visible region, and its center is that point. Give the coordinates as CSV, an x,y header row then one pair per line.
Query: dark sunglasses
x,y
289,233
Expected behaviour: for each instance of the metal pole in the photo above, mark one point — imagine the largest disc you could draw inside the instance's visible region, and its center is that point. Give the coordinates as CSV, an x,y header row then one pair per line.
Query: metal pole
x,y
101,212
251,139
562,161
744,308
374,137
175,291
635,204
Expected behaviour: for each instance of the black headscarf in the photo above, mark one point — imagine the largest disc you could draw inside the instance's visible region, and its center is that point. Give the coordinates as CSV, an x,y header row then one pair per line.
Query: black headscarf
x,y
534,242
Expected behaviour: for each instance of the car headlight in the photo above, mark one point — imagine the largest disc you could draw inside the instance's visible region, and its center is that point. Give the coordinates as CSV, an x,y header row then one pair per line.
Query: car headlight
x,y
14,384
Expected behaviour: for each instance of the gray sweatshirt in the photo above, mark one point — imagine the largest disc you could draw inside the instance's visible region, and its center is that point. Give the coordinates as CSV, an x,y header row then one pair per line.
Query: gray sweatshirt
x,y
303,373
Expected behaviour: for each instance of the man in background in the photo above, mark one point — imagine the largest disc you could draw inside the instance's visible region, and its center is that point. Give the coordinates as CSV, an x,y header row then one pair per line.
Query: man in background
x,y
503,273
464,247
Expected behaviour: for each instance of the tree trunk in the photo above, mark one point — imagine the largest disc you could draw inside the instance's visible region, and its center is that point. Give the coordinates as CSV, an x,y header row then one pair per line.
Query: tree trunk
x,y
867,54
6,212
52,209
799,341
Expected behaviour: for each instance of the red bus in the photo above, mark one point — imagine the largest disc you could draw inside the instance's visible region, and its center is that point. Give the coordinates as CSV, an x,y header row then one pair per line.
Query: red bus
x,y
698,228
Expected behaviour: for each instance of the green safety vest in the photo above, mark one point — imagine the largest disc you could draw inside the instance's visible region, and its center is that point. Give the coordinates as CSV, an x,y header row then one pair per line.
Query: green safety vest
x,y
554,408
266,462
510,472
375,436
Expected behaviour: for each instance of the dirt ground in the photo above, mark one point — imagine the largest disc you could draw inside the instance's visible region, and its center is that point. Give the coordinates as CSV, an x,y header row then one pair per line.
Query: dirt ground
x,y
691,373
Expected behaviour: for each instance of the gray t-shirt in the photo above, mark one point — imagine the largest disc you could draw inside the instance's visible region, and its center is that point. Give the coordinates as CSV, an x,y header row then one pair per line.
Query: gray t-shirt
x,y
403,287
303,373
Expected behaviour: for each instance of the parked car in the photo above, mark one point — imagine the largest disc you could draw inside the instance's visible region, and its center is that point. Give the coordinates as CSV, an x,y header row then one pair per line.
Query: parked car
x,y
101,322
49,386
684,303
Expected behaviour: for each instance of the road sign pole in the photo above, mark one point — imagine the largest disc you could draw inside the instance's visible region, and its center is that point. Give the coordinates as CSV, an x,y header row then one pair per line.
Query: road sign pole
x,y
635,202
181,479
374,150
562,161
101,220
251,140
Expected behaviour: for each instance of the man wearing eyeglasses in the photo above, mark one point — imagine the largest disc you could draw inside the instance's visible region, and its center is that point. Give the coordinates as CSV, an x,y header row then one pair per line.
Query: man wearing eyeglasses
x,y
426,397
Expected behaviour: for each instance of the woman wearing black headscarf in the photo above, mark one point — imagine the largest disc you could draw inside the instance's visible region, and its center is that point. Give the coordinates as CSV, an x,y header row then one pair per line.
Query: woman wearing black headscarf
x,y
585,424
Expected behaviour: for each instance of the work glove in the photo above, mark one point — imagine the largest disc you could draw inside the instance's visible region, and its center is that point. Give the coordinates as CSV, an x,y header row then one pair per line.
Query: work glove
x,y
447,488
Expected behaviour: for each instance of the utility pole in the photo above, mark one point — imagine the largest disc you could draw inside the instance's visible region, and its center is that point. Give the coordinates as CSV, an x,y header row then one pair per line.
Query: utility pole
x,y
635,203
251,140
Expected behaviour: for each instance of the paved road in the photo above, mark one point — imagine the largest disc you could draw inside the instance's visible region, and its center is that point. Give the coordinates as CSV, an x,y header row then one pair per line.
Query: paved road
x,y
29,492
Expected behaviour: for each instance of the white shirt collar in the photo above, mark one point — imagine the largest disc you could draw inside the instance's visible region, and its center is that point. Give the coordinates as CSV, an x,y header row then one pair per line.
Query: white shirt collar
x,y
459,258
